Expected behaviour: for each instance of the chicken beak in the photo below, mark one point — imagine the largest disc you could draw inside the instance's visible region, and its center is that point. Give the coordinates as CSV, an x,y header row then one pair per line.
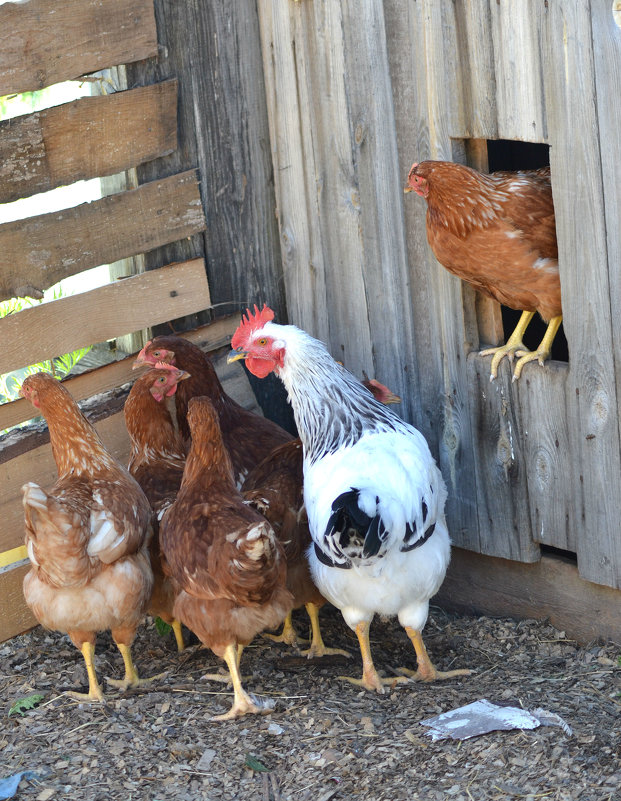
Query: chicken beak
x,y
235,356
407,189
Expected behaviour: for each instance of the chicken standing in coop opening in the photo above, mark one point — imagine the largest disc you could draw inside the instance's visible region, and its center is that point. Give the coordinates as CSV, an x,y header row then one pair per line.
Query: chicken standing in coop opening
x,y
87,537
156,461
373,493
227,566
497,232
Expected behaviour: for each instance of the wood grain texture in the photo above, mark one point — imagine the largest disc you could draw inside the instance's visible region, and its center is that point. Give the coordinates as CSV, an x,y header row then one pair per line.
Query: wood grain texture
x,y
88,138
34,334
39,251
444,332
550,589
15,617
105,378
43,42
570,85
518,67
214,50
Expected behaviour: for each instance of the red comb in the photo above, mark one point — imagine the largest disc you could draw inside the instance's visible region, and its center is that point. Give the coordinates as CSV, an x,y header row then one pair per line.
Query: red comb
x,y
251,322
165,366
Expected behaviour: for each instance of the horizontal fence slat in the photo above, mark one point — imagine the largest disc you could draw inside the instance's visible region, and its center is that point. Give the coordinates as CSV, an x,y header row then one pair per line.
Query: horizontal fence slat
x,y
105,378
15,617
40,251
44,332
43,42
88,138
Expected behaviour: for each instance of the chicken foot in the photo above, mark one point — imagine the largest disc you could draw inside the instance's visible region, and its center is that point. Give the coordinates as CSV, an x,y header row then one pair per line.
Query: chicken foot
x,y
317,646
543,351
131,674
510,348
288,635
426,670
95,692
243,703
371,680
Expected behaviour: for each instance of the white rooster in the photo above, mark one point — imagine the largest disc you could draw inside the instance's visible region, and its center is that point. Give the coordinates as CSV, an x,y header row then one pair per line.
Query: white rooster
x,y
373,493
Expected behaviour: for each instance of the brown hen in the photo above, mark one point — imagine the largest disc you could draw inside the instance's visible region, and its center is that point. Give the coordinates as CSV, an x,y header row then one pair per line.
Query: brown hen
x,y
248,437
227,566
156,461
87,537
497,232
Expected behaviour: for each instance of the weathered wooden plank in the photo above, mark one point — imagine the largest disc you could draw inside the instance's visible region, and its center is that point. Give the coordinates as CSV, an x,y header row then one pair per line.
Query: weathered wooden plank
x,y
550,589
39,251
516,36
43,41
540,395
498,442
383,267
15,617
36,334
606,38
468,57
215,51
594,450
112,375
88,138
443,332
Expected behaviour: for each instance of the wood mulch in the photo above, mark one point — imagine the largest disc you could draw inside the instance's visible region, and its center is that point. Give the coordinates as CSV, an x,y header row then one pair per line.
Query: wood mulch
x,y
324,739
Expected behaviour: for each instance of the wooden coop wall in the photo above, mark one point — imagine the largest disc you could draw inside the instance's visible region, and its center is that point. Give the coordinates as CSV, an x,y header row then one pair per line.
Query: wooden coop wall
x,y
357,91
41,43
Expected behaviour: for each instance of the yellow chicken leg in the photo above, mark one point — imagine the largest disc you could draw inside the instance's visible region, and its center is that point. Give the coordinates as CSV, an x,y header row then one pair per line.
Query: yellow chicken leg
x,y
178,632
131,674
426,671
288,635
243,703
370,680
95,692
317,647
543,351
513,344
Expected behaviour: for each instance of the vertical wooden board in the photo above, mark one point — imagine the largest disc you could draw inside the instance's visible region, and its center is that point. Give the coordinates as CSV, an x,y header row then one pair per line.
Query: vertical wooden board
x,y
297,183
541,396
592,403
503,504
516,31
214,50
383,265
46,41
607,62
443,336
468,57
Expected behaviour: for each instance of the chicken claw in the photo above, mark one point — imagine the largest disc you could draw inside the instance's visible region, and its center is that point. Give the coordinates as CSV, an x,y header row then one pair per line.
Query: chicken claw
x,y
243,703
426,670
513,344
318,648
371,680
288,635
131,675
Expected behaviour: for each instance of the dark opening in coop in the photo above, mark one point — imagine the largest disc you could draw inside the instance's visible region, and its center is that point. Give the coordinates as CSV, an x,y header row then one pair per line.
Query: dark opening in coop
x,y
505,154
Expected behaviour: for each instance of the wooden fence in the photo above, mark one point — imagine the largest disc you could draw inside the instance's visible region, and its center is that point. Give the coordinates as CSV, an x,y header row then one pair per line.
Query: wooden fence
x,y
41,43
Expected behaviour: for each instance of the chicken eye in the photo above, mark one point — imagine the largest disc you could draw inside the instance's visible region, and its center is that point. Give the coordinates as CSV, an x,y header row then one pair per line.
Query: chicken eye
x,y
162,379
262,341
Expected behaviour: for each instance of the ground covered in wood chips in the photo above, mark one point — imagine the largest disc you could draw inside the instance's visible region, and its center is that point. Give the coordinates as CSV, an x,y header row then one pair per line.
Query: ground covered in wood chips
x,y
324,739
